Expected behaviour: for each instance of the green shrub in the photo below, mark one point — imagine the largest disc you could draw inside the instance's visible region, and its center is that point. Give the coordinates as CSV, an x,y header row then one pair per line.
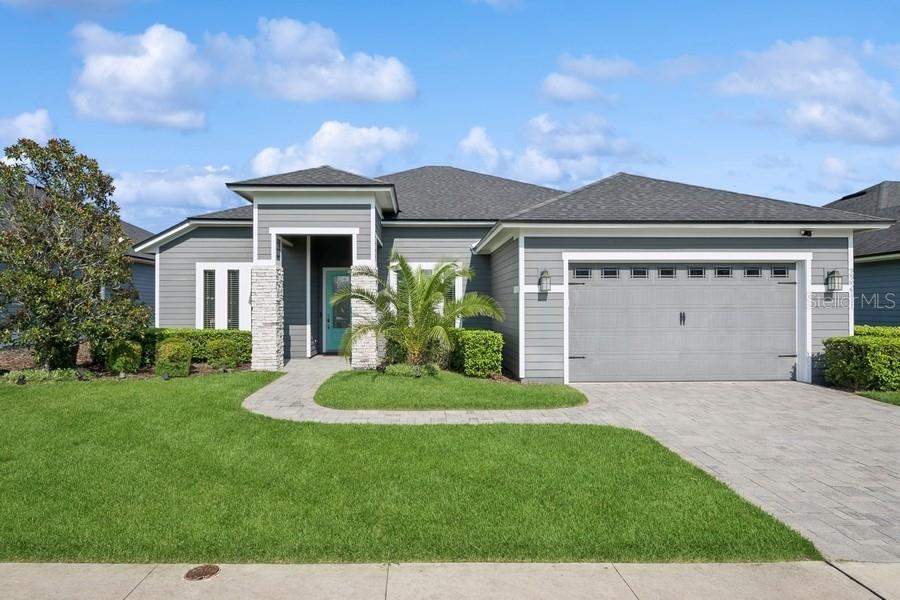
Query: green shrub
x,y
877,330
406,370
199,340
45,376
864,362
478,352
123,357
173,357
223,353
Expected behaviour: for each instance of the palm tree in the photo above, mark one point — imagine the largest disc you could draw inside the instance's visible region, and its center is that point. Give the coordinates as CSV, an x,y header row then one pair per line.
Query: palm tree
x,y
420,312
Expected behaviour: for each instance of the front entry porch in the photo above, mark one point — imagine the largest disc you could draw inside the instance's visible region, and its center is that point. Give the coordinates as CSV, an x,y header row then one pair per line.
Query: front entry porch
x,y
292,316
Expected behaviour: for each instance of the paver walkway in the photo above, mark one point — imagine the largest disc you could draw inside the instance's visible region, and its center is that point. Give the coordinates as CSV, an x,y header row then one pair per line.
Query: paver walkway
x,y
825,462
437,581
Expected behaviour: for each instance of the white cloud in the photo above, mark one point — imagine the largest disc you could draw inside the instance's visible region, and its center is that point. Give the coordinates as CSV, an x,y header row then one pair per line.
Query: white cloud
x,y
829,93
592,68
35,125
341,145
555,153
679,67
836,167
572,83
479,144
150,79
298,61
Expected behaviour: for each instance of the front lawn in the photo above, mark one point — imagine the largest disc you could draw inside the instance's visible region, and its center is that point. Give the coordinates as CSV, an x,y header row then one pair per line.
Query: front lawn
x,y
889,397
177,471
446,390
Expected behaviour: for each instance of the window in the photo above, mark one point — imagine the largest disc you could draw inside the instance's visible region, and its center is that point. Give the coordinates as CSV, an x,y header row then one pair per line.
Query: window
x,y
582,273
609,273
667,273
696,272
234,291
723,271
209,299
640,273
752,272
779,272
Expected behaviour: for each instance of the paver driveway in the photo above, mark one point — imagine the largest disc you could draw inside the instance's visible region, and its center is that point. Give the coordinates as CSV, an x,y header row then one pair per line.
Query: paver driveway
x,y
825,462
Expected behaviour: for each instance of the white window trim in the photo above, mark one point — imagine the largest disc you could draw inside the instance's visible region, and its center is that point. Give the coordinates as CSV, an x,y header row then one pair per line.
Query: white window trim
x,y
787,274
760,269
674,275
688,271
646,274
802,260
717,276
274,232
458,284
576,276
221,269
603,274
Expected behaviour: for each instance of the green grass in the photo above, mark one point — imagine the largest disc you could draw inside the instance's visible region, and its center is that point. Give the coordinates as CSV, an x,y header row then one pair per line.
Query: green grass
x,y
447,390
177,471
888,397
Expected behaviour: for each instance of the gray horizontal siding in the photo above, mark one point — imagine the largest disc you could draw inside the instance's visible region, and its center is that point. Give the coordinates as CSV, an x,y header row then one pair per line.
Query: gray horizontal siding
x,y
434,244
877,289
504,284
293,263
545,314
177,268
143,277
308,215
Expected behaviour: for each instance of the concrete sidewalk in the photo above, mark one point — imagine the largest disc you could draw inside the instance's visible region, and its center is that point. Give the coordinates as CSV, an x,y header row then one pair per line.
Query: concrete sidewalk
x,y
485,581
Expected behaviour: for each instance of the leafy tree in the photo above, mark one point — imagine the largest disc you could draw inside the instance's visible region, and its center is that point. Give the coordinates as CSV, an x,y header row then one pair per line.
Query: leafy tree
x,y
64,253
419,314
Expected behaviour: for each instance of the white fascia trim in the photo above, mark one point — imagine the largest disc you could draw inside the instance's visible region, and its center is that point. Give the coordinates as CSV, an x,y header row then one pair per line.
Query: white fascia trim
x,y
152,244
503,232
256,233
308,298
521,292
221,269
274,232
803,260
412,223
156,289
878,258
374,237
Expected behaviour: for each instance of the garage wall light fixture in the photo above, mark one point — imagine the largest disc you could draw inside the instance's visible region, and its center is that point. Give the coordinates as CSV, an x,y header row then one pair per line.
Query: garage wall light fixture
x,y
834,281
544,282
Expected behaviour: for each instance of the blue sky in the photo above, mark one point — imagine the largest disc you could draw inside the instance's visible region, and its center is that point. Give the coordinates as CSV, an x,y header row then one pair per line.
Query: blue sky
x,y
796,100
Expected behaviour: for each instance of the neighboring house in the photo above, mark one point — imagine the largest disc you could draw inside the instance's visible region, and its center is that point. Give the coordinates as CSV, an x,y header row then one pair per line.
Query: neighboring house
x,y
143,274
877,255
629,278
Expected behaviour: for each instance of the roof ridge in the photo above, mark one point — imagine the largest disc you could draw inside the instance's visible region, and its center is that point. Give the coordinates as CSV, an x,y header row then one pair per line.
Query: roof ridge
x,y
482,174
544,203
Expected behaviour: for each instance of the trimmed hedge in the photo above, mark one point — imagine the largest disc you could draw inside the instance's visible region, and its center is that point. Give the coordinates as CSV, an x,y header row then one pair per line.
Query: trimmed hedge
x,y
123,357
863,362
223,353
478,352
45,376
876,330
173,358
199,340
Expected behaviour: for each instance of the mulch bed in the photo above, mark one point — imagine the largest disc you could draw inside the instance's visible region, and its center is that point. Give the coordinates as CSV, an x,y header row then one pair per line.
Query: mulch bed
x,y
17,358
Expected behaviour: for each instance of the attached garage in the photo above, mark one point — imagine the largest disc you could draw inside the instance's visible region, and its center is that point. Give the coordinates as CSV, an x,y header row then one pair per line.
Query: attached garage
x,y
682,321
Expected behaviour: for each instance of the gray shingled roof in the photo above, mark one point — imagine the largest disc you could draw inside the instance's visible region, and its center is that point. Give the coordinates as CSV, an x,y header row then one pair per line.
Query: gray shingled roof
x,y
136,235
626,198
882,200
240,213
323,176
448,193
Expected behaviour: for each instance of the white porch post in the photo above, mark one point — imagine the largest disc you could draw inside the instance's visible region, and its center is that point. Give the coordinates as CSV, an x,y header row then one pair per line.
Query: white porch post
x,y
267,317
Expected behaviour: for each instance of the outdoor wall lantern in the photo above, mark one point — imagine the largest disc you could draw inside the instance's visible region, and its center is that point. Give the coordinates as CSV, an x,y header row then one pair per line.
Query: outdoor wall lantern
x,y
834,281
544,283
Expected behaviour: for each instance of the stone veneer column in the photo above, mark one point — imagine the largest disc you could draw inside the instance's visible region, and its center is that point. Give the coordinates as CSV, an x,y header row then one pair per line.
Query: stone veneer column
x,y
267,317
365,350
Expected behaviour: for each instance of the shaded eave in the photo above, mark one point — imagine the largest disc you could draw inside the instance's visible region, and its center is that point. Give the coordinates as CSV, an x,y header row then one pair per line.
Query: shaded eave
x,y
505,230
151,245
385,193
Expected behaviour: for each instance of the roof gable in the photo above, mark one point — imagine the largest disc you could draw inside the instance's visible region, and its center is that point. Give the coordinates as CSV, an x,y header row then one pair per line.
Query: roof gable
x,y
882,200
626,198
324,176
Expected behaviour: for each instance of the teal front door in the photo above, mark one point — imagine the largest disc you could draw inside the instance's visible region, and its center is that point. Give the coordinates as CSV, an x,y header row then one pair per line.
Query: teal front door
x,y
337,316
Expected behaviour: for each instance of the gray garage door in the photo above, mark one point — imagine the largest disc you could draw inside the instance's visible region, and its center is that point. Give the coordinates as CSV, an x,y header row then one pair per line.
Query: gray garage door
x,y
659,322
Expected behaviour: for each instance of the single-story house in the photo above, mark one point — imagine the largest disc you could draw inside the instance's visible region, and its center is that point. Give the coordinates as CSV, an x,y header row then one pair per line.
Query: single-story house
x,y
143,274
628,278
876,255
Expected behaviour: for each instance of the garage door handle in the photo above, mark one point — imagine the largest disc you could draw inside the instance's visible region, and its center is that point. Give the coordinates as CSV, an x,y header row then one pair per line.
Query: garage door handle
x,y
681,318
574,357
787,356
